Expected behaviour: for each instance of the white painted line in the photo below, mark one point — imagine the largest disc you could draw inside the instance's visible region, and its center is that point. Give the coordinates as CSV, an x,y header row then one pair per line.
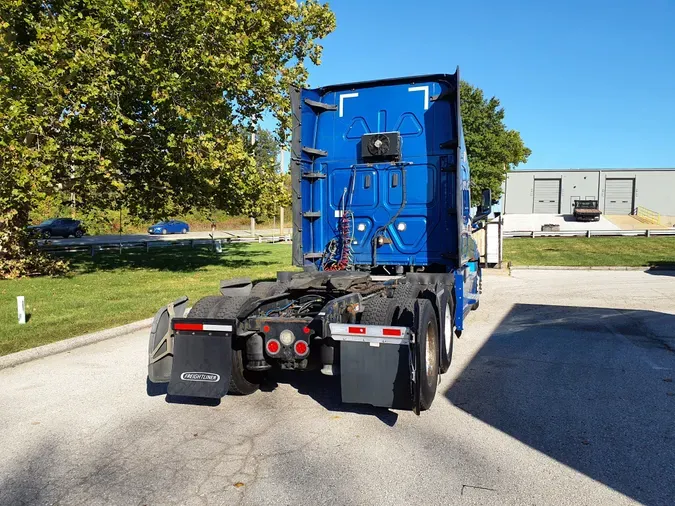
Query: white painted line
x,y
343,96
218,328
425,89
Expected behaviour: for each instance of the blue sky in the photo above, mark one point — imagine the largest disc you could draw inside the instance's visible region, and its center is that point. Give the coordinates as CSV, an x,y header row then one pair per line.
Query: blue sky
x,y
587,83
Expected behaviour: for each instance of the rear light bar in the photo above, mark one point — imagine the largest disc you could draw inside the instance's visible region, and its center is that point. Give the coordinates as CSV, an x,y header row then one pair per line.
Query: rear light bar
x,y
201,327
386,331
370,333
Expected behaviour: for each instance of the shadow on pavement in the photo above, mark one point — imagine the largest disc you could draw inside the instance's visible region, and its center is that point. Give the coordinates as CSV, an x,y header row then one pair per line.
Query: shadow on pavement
x,y
326,391
589,387
661,269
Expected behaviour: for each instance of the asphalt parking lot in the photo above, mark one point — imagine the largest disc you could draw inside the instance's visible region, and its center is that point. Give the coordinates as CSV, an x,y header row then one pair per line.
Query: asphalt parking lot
x,y
561,392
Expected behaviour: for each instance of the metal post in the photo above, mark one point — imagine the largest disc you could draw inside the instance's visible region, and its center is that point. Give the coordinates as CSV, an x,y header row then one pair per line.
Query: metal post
x,y
501,238
281,221
21,306
252,226
588,233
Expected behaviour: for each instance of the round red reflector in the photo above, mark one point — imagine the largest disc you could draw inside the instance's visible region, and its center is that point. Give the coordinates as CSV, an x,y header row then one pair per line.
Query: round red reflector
x,y
273,346
266,328
301,348
306,330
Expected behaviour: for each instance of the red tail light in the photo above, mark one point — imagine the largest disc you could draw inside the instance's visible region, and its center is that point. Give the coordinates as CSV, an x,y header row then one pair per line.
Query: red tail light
x,y
273,347
266,328
357,330
188,326
306,330
301,348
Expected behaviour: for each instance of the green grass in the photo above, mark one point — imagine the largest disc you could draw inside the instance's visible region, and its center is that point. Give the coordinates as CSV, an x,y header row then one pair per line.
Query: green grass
x,y
111,290
594,251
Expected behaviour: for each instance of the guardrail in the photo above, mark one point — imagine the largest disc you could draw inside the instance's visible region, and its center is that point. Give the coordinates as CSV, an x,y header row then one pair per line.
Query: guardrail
x,y
590,233
154,244
647,215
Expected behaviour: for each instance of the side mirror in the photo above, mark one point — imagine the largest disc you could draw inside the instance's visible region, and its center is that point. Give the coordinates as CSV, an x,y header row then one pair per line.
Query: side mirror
x,y
486,199
485,207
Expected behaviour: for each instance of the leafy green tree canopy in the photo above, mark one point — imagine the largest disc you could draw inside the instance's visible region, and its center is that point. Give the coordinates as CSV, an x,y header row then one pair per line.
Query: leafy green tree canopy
x,y
138,104
492,148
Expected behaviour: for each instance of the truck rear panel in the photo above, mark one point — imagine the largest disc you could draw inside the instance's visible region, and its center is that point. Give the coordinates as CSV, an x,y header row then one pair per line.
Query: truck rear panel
x,y
417,202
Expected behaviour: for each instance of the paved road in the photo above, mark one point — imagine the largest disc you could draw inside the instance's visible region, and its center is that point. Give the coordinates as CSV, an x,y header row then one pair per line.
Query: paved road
x,y
88,240
534,222
561,392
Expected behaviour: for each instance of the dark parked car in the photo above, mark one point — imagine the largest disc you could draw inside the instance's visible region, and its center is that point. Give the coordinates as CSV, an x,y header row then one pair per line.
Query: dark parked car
x,y
169,227
64,227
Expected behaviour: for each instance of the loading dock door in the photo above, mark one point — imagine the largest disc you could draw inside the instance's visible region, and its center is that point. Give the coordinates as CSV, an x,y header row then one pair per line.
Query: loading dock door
x,y
547,196
619,196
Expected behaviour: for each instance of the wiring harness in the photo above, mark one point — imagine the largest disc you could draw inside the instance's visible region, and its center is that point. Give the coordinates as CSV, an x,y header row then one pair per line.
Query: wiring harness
x,y
338,255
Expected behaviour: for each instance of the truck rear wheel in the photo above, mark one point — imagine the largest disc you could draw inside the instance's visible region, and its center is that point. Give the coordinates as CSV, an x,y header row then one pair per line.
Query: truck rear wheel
x,y
426,332
242,381
378,311
266,289
204,306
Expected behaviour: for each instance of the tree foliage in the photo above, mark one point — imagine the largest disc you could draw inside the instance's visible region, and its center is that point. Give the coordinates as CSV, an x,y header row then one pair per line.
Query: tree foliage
x,y
492,148
271,191
138,104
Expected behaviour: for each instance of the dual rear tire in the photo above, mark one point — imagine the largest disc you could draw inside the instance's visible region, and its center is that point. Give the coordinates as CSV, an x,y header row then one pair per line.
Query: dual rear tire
x,y
400,311
242,381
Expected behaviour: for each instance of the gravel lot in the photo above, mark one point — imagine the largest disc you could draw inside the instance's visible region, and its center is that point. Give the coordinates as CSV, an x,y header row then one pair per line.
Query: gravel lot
x,y
561,392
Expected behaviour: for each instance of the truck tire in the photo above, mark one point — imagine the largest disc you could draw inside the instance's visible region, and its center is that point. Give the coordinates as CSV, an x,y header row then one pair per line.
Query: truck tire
x,y
378,311
426,331
204,306
242,381
266,289
447,319
406,291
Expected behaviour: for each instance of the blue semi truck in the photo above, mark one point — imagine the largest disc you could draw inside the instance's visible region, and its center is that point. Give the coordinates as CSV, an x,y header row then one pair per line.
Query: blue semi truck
x,y
382,224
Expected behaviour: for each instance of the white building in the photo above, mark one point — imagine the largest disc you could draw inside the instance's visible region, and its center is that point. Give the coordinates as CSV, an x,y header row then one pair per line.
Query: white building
x,y
618,191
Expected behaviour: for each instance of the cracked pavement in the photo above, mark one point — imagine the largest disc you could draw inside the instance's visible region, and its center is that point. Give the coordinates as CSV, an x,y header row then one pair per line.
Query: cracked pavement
x,y
561,392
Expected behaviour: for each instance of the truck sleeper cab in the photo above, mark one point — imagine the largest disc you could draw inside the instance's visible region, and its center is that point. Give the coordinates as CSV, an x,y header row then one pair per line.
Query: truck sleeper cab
x,y
382,231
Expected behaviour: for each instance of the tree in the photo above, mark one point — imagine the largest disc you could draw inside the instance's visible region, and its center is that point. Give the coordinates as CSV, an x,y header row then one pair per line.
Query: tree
x,y
270,192
492,148
136,104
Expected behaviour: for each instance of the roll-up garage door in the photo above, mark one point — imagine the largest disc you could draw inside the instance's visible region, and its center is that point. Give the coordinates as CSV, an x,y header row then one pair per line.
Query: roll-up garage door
x,y
619,196
547,196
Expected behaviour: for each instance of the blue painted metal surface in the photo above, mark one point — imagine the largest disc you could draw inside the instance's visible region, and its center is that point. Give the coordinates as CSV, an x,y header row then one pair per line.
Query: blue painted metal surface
x,y
433,227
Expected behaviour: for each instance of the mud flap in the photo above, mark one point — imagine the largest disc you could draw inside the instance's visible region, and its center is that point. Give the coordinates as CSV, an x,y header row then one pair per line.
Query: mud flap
x,y
202,362
373,369
160,348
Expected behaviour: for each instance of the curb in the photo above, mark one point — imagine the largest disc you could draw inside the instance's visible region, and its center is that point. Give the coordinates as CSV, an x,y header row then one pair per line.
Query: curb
x,y
589,268
21,357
